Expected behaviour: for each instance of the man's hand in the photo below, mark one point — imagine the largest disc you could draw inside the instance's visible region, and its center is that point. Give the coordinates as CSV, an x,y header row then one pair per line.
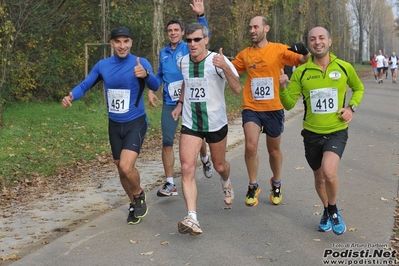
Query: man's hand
x,y
218,60
283,79
152,97
139,70
67,100
198,7
346,114
299,48
177,112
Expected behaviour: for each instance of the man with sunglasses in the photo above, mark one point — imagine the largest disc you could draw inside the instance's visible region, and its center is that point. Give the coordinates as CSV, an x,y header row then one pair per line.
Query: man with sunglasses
x,y
203,109
262,109
170,76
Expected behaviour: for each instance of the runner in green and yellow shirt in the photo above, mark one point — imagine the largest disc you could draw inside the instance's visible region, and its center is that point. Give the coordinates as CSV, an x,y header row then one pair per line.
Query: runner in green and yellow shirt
x,y
322,82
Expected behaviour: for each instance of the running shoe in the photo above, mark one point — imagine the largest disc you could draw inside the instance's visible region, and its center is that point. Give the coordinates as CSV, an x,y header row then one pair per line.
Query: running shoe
x,y
338,225
228,194
207,168
189,226
131,218
140,205
167,189
251,199
325,223
275,193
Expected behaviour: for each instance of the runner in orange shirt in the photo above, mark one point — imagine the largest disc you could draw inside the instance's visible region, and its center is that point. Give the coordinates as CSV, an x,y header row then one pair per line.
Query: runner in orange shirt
x,y
262,109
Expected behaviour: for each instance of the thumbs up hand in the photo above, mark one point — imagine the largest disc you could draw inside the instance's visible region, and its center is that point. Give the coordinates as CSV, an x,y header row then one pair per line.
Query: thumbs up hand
x,y
67,100
218,60
283,79
139,70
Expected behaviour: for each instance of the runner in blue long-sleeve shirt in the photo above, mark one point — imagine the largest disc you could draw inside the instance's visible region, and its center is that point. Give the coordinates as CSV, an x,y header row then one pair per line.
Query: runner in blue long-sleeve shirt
x,y
125,77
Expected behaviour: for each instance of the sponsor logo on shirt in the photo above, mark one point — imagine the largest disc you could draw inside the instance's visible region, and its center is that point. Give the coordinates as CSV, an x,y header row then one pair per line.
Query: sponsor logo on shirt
x,y
179,55
313,77
335,75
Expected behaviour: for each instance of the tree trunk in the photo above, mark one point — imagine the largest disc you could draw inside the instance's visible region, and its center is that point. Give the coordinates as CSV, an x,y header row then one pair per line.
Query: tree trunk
x,y
158,29
6,41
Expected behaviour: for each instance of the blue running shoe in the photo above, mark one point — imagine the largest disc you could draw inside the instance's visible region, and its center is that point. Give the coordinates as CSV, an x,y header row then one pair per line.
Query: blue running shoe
x,y
338,225
325,223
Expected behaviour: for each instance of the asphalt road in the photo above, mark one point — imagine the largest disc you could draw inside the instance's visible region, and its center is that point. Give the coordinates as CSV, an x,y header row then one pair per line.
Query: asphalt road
x,y
263,235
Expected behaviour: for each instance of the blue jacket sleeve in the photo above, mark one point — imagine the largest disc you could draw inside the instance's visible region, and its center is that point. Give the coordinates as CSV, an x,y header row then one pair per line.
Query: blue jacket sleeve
x,y
159,75
205,23
91,79
151,81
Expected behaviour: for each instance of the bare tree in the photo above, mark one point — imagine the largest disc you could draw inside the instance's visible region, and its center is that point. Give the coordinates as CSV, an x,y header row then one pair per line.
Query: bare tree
x,y
364,12
158,29
6,38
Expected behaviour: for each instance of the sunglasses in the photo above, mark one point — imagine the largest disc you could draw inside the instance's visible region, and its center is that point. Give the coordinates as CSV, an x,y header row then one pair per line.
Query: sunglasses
x,y
189,40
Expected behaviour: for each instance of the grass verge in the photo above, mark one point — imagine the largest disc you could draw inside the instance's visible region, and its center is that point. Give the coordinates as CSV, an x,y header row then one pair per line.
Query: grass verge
x,y
39,139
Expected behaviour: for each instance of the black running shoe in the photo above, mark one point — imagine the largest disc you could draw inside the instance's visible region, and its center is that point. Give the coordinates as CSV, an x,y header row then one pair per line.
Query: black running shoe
x,y
131,218
140,205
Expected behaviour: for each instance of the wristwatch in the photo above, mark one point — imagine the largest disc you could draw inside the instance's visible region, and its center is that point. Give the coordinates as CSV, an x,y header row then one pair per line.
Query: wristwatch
x,y
148,73
352,107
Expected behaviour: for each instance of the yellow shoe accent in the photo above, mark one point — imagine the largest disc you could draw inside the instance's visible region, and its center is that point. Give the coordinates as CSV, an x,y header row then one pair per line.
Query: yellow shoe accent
x,y
251,199
275,194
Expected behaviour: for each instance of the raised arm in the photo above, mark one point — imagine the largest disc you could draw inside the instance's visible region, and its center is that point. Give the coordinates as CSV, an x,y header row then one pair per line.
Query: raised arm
x,y
219,60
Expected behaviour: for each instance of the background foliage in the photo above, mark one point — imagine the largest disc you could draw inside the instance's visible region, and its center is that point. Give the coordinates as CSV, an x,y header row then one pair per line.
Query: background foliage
x,y
42,41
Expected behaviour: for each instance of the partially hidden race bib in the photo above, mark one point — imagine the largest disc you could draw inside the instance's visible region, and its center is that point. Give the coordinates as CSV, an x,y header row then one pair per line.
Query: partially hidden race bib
x,y
324,100
262,88
174,90
118,101
197,89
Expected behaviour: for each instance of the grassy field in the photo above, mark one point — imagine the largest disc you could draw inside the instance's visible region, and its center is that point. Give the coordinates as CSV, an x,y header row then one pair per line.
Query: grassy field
x,y
39,139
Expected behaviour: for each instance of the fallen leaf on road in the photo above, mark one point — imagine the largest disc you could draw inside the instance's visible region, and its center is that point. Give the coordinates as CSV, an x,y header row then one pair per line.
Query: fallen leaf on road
x,y
17,247
164,243
260,257
10,257
316,239
352,229
134,242
383,199
147,253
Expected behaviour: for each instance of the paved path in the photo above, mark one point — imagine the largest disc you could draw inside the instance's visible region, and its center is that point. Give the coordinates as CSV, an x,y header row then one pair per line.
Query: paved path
x,y
265,234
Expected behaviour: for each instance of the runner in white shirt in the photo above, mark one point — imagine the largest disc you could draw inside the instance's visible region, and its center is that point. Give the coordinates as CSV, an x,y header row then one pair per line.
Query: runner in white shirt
x,y
203,110
386,65
380,65
393,61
